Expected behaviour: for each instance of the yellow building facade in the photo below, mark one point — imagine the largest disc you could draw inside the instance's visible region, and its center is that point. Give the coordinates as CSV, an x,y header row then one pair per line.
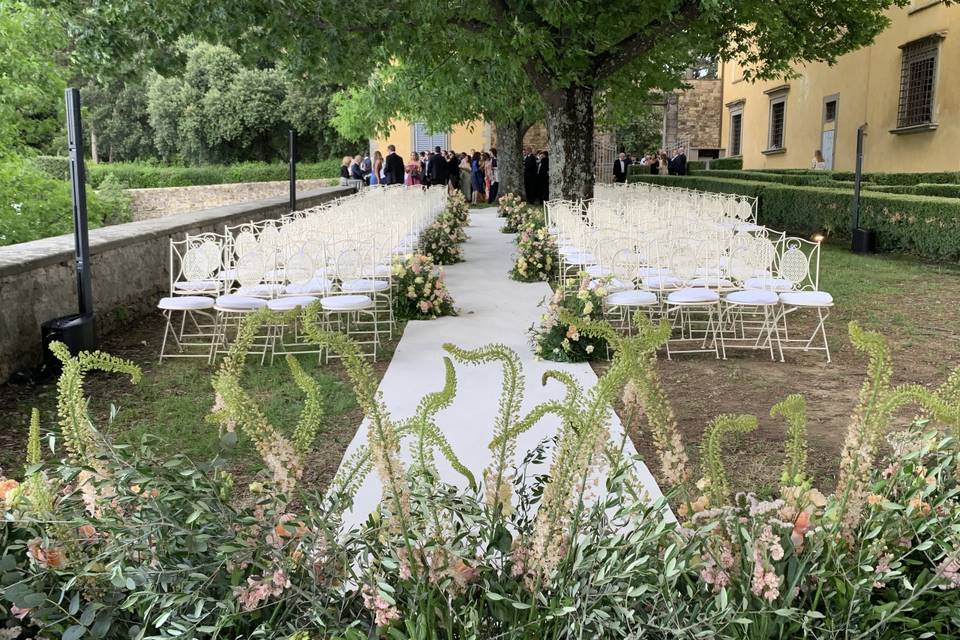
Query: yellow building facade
x,y
409,137
905,87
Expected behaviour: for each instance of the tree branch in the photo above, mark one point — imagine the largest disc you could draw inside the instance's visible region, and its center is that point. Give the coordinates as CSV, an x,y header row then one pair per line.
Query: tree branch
x,y
611,60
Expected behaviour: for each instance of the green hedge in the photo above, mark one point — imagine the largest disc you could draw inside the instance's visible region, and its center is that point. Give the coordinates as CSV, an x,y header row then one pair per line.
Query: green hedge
x,y
882,178
727,163
922,225
761,176
942,190
908,189
137,175
696,165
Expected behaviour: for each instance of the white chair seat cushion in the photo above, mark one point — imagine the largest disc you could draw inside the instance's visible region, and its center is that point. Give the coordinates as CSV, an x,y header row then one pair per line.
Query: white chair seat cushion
x,y
596,271
807,298
197,285
584,259
290,302
365,284
346,303
771,284
712,282
260,290
610,285
693,295
316,285
236,302
662,282
759,297
568,250
747,227
630,299
185,303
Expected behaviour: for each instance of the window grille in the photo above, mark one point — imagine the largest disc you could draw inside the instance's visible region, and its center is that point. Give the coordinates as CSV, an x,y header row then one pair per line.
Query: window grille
x,y
830,111
777,117
423,141
918,73
736,131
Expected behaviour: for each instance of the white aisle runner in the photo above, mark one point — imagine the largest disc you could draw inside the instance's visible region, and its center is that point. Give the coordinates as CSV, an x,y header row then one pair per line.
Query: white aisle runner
x,y
493,309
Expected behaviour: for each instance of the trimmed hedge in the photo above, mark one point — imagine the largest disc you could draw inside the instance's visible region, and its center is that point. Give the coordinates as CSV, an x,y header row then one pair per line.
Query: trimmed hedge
x,y
727,163
762,176
942,190
926,226
137,175
696,165
891,179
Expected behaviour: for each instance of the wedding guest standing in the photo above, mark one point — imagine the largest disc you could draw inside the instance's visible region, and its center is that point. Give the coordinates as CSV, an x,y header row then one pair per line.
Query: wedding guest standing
x,y
543,177
495,185
530,174
476,183
412,171
393,167
376,169
620,166
453,170
465,176
345,171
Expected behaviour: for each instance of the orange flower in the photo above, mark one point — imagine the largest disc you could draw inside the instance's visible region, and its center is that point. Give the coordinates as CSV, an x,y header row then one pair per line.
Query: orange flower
x,y
88,533
6,486
874,499
920,505
45,557
800,528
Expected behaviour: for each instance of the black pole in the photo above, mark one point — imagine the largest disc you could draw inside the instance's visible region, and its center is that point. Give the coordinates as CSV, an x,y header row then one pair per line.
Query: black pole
x,y
293,169
78,180
857,178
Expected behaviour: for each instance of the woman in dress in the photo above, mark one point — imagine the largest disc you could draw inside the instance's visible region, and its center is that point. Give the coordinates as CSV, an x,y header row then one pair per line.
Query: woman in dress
x,y
465,174
487,175
345,170
818,163
377,168
664,165
476,184
411,175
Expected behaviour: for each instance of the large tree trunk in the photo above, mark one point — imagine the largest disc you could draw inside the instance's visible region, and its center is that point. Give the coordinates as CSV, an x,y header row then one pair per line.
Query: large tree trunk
x,y
510,155
570,130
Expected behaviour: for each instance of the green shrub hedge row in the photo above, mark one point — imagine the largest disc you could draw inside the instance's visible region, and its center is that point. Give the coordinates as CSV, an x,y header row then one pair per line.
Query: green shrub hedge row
x,y
761,176
137,175
734,164
891,179
926,226
696,165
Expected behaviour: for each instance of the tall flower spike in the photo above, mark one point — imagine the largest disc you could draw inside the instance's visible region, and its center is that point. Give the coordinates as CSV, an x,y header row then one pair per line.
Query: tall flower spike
x,y
383,436
503,447
428,435
77,430
36,488
712,453
313,407
794,409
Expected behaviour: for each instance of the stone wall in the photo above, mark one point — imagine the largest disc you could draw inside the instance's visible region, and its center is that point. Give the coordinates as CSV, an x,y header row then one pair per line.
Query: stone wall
x,y
699,109
129,272
165,201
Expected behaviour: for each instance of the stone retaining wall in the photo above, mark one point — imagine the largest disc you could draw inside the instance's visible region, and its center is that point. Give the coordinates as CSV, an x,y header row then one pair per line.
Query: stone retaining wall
x,y
164,201
129,263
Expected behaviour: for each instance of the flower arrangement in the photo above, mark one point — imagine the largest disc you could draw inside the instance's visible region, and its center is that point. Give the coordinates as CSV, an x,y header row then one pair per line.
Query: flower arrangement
x,y
459,208
442,239
558,337
537,255
516,212
421,291
166,548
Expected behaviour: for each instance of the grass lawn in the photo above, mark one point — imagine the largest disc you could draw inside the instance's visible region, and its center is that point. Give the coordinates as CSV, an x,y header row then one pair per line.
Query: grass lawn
x,y
913,304
173,399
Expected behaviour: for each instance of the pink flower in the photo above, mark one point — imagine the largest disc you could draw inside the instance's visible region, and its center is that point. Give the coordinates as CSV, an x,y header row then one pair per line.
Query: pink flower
x,y
19,613
425,305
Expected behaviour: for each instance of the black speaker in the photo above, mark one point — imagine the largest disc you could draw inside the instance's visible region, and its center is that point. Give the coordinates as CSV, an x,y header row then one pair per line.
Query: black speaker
x,y
77,332
864,241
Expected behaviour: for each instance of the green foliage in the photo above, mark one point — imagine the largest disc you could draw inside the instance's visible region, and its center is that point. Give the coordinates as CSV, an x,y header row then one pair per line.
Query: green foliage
x,y
442,240
794,409
694,165
56,167
117,113
942,190
921,225
36,206
537,255
31,82
711,454
136,175
760,176
561,340
642,133
727,163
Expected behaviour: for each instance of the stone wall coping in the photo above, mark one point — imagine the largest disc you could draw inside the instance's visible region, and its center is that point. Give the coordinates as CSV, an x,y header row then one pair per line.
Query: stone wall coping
x,y
18,258
229,185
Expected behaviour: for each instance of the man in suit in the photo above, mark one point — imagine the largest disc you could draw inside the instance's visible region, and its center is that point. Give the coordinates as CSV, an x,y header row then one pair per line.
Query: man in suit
x,y
678,165
530,175
620,166
453,170
543,177
393,166
437,171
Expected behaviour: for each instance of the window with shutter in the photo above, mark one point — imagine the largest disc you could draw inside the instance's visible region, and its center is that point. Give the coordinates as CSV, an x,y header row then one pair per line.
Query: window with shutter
x,y
424,141
918,75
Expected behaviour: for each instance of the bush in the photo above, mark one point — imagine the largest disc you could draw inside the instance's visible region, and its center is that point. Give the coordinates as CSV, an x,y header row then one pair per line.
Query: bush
x,y
696,165
113,542
941,190
137,175
36,206
726,163
56,167
922,225
764,177
883,178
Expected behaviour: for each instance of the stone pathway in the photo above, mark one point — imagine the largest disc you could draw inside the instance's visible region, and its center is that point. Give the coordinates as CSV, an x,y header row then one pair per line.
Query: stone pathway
x,y
493,309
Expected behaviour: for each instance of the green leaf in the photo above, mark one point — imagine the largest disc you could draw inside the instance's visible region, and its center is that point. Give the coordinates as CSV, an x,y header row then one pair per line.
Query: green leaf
x,y
193,517
496,597
229,440
74,632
